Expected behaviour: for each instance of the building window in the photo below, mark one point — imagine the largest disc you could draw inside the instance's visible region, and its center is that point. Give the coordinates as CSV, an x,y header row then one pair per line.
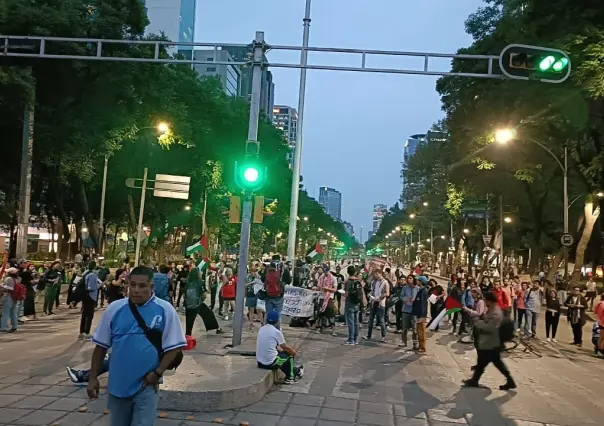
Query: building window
x,y
211,69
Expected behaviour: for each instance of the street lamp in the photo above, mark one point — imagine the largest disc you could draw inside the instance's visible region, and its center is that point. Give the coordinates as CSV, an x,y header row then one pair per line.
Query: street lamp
x,y
188,207
425,204
466,231
443,237
600,194
398,228
305,218
505,135
163,127
507,219
412,216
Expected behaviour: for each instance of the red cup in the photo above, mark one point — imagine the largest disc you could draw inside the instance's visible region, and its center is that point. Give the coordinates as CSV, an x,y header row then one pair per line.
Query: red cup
x,y
191,343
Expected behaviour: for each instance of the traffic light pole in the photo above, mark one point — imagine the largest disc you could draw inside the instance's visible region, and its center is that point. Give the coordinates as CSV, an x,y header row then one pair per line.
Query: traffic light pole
x,y
252,149
293,212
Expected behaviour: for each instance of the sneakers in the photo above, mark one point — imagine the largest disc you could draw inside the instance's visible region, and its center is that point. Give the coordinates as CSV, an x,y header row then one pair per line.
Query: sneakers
x,y
299,372
548,339
470,383
554,340
402,345
219,331
509,385
383,340
82,336
349,343
74,375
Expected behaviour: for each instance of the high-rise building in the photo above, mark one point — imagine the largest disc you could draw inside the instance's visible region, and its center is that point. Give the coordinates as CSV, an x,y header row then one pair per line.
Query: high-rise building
x,y
409,149
349,228
174,18
379,211
369,235
229,75
286,119
267,90
331,200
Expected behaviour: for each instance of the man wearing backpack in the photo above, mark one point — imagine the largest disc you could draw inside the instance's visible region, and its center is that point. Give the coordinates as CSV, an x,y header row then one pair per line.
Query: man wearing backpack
x,y
354,298
274,289
489,343
91,284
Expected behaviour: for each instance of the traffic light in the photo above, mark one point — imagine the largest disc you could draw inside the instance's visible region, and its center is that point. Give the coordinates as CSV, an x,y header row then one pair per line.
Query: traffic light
x,y
249,175
523,62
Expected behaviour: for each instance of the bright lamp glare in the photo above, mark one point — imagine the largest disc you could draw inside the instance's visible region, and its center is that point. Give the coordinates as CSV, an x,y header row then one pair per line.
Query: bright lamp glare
x,y
503,136
250,174
163,127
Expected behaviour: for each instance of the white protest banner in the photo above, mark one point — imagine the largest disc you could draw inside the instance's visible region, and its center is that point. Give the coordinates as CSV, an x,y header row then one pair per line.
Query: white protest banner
x,y
298,302
260,305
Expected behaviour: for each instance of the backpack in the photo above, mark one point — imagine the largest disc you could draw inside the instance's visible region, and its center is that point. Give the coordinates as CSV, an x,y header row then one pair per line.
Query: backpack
x,y
161,286
506,330
102,274
192,299
19,292
355,292
286,276
79,290
272,285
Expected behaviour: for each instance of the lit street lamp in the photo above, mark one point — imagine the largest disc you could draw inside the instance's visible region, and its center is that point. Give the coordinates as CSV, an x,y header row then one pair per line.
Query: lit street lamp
x,y
412,216
425,204
507,219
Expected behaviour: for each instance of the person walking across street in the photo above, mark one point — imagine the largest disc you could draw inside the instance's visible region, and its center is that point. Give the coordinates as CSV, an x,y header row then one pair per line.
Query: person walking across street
x,y
353,289
89,293
408,295
194,301
489,344
576,305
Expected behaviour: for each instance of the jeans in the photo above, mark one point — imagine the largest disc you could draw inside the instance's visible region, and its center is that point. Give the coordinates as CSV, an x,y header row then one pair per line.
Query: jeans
x,y
551,321
274,305
84,374
519,317
408,323
531,318
137,410
10,310
377,312
351,313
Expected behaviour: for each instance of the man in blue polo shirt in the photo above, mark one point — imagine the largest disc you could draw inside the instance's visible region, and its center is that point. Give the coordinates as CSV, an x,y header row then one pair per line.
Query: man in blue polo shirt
x,y
135,367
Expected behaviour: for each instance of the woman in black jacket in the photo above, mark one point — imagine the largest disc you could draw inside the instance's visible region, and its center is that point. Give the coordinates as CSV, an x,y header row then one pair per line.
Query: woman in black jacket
x,y
552,315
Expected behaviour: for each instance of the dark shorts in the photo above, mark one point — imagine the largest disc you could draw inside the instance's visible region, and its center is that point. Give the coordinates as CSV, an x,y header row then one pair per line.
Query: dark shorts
x,y
251,302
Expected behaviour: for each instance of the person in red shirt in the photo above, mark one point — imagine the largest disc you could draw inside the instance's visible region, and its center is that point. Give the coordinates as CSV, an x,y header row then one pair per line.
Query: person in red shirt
x,y
503,299
228,291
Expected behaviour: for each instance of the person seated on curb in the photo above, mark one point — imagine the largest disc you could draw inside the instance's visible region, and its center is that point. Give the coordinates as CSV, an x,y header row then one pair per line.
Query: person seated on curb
x,y
273,353
80,377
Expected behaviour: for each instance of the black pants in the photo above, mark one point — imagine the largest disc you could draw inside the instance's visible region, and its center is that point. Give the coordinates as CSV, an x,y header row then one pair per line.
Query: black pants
x,y
455,319
207,316
398,311
435,309
87,314
485,357
213,291
551,322
181,292
521,314
577,333
57,302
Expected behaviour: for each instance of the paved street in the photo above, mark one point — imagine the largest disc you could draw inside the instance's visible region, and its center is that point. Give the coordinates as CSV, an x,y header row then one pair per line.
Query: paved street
x,y
371,384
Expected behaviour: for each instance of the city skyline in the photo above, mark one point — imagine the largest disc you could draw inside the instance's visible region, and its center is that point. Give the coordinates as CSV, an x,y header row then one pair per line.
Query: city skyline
x,y
331,200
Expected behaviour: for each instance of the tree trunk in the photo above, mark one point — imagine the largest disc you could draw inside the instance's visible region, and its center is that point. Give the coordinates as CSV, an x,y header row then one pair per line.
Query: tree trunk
x,y
591,215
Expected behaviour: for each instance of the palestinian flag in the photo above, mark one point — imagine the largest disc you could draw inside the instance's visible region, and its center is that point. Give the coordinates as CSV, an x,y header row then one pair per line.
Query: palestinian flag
x,y
316,252
203,265
199,245
451,306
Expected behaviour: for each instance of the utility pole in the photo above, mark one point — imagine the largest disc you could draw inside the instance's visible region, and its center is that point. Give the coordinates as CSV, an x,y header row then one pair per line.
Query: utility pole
x,y
565,170
252,148
101,243
293,211
139,229
25,184
501,238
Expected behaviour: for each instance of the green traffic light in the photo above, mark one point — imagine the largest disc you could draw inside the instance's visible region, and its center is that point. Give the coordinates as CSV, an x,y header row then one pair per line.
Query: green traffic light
x,y
251,174
560,64
546,63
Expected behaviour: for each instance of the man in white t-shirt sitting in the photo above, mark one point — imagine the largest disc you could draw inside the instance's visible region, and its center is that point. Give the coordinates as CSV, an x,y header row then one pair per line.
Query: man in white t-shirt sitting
x,y
273,353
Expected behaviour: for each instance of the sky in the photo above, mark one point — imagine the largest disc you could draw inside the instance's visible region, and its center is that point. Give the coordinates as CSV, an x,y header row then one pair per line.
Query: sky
x,y
355,124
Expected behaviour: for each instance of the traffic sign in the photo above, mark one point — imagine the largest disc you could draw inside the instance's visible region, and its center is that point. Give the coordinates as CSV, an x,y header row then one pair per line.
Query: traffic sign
x,y
567,240
486,239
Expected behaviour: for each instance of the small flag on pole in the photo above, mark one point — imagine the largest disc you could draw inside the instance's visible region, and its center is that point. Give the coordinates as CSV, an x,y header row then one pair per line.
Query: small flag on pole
x,y
316,252
199,245
451,306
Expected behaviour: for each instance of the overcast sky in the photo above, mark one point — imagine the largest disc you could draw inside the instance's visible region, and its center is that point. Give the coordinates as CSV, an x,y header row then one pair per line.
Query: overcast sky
x,y
355,124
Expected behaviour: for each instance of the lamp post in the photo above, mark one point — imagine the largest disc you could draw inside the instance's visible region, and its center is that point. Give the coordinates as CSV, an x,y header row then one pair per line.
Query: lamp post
x,y
503,136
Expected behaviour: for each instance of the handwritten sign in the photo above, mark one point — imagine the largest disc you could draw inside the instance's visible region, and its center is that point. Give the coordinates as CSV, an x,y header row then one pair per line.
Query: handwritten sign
x,y
298,302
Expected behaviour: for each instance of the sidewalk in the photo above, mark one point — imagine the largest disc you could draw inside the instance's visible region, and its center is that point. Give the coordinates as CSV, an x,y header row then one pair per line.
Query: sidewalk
x,y
33,362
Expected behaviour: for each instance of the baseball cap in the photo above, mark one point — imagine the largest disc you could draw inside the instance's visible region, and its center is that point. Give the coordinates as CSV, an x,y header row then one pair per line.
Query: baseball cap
x,y
272,317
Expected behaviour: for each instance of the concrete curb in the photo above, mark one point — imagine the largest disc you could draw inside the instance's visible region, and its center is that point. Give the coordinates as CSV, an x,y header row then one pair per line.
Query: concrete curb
x,y
220,400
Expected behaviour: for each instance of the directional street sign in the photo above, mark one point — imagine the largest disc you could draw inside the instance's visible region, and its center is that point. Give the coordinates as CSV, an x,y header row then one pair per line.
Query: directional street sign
x,y
170,186
486,239
567,240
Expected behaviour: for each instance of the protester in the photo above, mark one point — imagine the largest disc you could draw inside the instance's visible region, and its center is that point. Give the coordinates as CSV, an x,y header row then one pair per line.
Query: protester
x,y
273,353
533,309
354,298
489,344
327,313
162,284
576,305
521,306
274,289
194,301
419,311
10,303
552,315
137,364
228,292
408,295
27,279
52,282
377,304
89,294
591,292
